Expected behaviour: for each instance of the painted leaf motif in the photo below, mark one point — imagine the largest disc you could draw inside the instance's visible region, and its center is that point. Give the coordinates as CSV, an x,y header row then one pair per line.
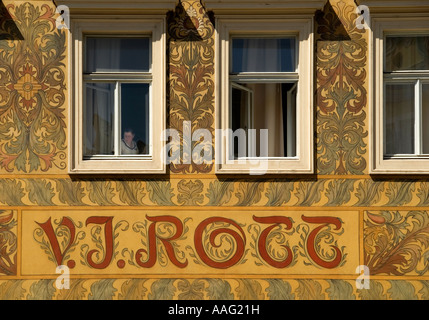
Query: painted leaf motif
x,y
424,291
42,290
340,290
130,192
219,289
249,193
375,292
35,87
339,192
191,290
341,92
402,290
309,290
369,192
190,193
219,192
100,192
279,289
102,290
77,291
12,290
400,193
11,192
162,289
423,194
133,289
40,192
160,192
8,242
309,194
191,96
249,289
395,243
279,193
70,192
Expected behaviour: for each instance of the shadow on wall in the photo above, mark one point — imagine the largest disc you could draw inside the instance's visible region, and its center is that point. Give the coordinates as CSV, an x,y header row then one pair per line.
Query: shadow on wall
x,y
329,25
185,25
8,28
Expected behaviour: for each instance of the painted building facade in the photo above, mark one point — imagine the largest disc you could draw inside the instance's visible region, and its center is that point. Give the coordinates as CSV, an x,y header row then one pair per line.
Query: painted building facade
x,y
189,230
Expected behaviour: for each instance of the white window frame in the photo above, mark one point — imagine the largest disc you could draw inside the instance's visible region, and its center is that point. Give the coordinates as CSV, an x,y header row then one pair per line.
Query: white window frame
x,y
379,162
143,164
302,28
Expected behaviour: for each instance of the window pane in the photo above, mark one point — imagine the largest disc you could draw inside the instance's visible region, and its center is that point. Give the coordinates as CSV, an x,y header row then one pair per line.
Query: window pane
x,y
399,117
117,54
99,117
263,55
269,106
425,118
407,53
135,118
241,115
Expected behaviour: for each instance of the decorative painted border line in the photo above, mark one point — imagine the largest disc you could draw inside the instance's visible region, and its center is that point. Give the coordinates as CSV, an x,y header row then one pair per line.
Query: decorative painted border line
x,y
196,192
213,289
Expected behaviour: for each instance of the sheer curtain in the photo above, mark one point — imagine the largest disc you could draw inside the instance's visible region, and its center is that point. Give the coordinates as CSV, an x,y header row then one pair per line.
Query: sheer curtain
x,y
268,114
260,55
99,119
399,119
425,117
407,53
270,100
103,54
263,55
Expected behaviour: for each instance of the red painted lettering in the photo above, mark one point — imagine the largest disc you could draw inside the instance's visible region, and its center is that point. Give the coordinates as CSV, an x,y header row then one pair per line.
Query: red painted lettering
x,y
239,240
324,221
262,241
152,238
108,237
53,240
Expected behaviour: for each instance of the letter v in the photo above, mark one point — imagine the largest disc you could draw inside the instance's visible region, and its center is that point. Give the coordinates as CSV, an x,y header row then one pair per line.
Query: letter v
x,y
49,230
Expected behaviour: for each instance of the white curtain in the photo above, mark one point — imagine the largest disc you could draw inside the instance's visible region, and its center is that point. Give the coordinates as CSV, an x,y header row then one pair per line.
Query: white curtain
x,y
399,119
268,114
425,118
407,53
269,99
99,137
260,55
103,54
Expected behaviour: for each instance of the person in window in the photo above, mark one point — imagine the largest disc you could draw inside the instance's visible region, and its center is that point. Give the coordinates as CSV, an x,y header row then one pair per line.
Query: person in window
x,y
128,145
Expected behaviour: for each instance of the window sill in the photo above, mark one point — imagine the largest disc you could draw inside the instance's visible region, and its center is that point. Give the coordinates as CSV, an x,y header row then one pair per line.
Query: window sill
x,y
401,166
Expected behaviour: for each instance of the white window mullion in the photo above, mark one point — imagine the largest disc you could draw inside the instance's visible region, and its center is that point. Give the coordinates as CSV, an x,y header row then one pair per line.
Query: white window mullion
x,y
117,133
418,119
268,77
384,117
